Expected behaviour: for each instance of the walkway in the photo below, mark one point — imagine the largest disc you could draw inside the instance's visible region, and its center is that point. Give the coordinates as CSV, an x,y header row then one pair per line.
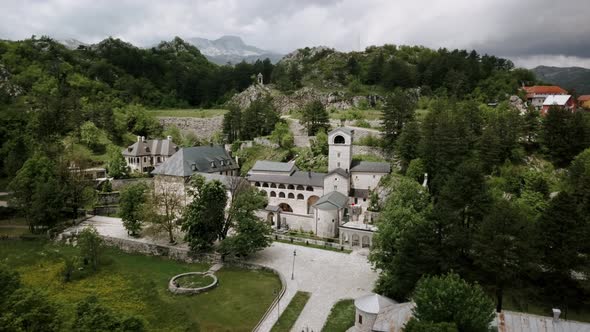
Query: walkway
x,y
329,276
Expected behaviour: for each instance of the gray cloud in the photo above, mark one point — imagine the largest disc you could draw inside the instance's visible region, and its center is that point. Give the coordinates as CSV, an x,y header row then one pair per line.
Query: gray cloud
x,y
527,31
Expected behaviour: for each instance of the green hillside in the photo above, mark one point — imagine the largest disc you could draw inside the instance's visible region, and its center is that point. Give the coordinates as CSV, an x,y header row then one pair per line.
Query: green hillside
x,y
570,78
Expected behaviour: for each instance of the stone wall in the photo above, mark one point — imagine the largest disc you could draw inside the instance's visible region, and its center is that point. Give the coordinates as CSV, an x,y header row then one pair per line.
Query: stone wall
x,y
119,184
203,128
111,198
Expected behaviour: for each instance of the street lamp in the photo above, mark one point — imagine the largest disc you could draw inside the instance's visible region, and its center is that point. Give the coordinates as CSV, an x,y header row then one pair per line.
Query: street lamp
x,y
293,270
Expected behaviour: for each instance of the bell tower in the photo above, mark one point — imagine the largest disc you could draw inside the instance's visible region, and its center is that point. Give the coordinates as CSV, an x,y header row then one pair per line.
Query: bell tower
x,y
340,149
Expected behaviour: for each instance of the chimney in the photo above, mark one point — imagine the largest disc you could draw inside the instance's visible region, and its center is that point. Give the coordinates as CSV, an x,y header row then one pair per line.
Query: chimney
x,y
169,138
143,138
139,138
556,313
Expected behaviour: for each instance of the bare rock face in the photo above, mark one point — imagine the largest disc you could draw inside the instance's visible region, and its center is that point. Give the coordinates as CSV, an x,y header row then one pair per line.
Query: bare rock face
x,y
518,104
298,99
8,87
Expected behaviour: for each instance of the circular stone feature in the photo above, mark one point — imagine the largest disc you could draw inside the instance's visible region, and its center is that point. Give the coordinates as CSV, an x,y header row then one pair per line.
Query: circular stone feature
x,y
192,282
195,280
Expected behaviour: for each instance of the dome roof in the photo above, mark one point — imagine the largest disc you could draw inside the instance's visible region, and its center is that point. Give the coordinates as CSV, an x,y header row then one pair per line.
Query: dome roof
x,y
373,303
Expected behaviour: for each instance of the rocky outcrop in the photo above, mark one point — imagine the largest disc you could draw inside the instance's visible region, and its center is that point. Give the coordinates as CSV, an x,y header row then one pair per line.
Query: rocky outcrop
x,y
518,104
298,99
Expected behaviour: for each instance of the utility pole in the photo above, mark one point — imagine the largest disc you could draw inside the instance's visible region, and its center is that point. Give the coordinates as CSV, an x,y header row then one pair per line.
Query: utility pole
x,y
293,269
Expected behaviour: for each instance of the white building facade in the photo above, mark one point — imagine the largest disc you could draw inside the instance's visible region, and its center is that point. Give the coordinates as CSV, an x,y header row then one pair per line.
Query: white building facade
x,y
329,205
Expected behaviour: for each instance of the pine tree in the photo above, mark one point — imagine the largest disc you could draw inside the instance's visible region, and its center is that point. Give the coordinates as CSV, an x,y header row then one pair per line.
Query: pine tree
x,y
315,117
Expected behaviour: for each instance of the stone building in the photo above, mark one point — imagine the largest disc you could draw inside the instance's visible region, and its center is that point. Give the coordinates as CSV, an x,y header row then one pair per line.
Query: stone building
x,y
330,205
213,162
145,155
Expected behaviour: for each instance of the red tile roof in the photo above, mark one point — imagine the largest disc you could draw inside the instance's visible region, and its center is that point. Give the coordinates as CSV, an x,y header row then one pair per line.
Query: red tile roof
x,y
544,90
583,98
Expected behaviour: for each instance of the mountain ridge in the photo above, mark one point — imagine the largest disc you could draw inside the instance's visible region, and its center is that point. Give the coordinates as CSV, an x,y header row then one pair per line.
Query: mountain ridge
x,y
231,49
570,78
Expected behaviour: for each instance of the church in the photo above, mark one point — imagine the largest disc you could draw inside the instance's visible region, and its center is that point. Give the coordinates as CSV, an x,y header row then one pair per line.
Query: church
x,y
330,205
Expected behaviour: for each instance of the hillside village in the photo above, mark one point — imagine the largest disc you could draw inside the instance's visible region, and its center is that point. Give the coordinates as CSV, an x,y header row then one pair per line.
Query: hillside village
x,y
333,191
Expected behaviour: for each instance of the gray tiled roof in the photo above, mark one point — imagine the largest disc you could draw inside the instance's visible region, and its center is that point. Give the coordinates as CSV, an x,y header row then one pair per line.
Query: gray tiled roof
x,y
273,166
370,167
202,159
296,178
151,147
331,201
339,171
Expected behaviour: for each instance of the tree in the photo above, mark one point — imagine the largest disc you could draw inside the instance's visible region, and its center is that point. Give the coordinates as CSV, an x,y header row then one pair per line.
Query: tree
x,y
450,299
500,137
91,245
414,325
564,134
78,189
251,233
9,282
116,164
578,182
92,137
408,144
258,119
319,144
29,310
204,217
531,125
163,208
131,201
562,242
232,122
416,170
502,249
282,136
399,110
37,192
91,315
315,117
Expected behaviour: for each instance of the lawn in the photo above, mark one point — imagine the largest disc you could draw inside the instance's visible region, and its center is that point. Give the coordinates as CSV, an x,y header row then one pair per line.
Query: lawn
x,y
188,113
341,317
132,284
291,313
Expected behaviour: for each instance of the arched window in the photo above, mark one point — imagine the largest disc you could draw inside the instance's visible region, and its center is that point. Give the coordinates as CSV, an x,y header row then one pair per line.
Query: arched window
x,y
281,195
290,186
265,185
285,207
300,196
339,140
257,184
309,188
273,185
273,194
281,186
300,187
291,196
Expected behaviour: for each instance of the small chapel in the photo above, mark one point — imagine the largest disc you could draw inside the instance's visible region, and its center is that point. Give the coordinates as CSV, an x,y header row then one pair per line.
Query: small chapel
x,y
330,205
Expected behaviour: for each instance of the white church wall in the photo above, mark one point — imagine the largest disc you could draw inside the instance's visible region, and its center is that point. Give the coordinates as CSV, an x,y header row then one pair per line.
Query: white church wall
x,y
337,182
361,180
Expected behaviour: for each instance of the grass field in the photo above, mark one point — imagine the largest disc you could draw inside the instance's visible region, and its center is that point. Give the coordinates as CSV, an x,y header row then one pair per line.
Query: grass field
x,y
188,113
341,317
291,313
137,285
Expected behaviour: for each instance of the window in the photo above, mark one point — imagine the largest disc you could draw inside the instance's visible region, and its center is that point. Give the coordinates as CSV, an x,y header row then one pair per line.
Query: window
x,y
290,186
222,163
273,185
360,319
281,186
338,154
373,176
338,164
300,196
257,184
339,140
336,178
309,188
212,165
300,187
335,187
281,195
291,196
273,194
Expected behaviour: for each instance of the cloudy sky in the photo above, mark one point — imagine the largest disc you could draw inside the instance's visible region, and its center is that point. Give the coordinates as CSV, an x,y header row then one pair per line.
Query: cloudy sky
x,y
530,32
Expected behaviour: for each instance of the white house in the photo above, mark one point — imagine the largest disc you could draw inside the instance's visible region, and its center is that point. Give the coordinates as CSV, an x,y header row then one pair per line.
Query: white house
x,y
330,205
145,155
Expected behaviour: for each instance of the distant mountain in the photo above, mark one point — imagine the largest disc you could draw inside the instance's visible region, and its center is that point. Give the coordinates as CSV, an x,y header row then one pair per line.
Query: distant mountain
x,y
569,78
231,49
71,43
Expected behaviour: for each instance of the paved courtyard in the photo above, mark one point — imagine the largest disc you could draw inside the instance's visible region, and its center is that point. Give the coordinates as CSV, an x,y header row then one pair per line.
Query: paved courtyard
x,y
329,276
